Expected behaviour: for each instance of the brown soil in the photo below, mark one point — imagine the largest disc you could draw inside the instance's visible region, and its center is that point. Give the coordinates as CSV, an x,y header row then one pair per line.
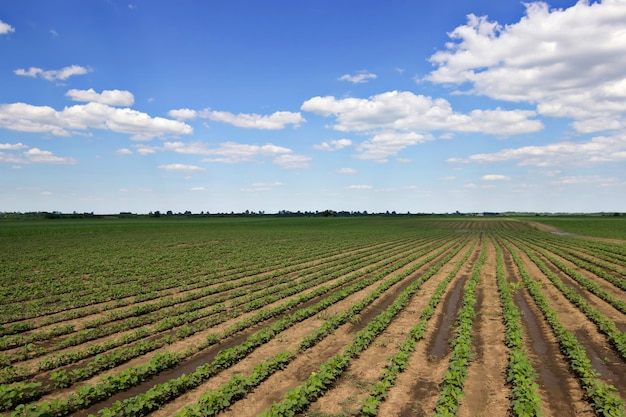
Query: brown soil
x,y
354,385
487,393
559,389
272,389
597,345
551,229
200,358
417,388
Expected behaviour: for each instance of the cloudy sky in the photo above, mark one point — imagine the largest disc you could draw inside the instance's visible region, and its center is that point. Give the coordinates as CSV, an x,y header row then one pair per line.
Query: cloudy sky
x,y
223,106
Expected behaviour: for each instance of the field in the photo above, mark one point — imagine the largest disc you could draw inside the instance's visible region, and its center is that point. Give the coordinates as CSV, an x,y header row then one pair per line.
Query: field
x,y
259,315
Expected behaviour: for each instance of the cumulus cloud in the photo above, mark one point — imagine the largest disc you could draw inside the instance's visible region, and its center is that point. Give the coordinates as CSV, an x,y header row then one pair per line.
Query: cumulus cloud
x,y
333,145
109,97
24,117
495,177
362,76
261,186
10,158
53,75
227,152
403,110
145,150
124,151
384,145
597,150
180,168
183,114
37,156
360,187
12,146
6,28
595,180
197,189
575,73
275,121
292,161
346,171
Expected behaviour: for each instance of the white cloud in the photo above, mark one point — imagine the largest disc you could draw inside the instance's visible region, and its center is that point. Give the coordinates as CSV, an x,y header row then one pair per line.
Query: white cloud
x,y
276,121
595,180
292,161
360,187
227,152
124,151
54,33
494,177
598,150
183,114
346,171
145,149
44,119
197,189
362,76
180,168
109,97
33,155
233,152
384,145
12,146
6,28
261,186
10,158
333,145
53,75
403,110
576,73
37,155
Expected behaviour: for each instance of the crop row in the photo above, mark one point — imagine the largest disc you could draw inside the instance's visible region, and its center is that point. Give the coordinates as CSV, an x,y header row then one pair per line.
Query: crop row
x,y
604,398
400,361
297,399
70,295
159,394
606,326
525,399
171,318
75,401
454,378
107,361
215,401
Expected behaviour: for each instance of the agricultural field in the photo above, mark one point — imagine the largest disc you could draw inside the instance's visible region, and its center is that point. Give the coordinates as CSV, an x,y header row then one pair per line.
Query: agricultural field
x,y
246,316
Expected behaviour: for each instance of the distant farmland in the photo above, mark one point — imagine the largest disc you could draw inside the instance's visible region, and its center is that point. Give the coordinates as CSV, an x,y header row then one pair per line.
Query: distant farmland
x,y
389,316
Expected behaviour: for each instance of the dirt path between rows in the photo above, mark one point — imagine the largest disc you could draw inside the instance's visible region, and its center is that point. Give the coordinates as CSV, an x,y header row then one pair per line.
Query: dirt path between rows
x,y
559,390
604,359
350,390
272,389
417,388
551,229
192,342
486,390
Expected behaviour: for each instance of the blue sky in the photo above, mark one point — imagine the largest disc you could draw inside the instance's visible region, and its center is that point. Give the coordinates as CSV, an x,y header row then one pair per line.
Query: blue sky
x,y
109,106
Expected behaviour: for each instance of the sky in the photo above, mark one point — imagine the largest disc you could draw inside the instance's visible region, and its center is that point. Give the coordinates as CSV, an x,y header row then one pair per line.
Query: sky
x,y
226,106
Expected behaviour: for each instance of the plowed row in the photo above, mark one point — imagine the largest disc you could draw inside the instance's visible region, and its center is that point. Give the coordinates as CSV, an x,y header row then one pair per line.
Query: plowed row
x,y
319,317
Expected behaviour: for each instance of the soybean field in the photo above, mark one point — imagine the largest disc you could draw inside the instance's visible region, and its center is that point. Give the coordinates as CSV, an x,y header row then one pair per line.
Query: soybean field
x,y
262,315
